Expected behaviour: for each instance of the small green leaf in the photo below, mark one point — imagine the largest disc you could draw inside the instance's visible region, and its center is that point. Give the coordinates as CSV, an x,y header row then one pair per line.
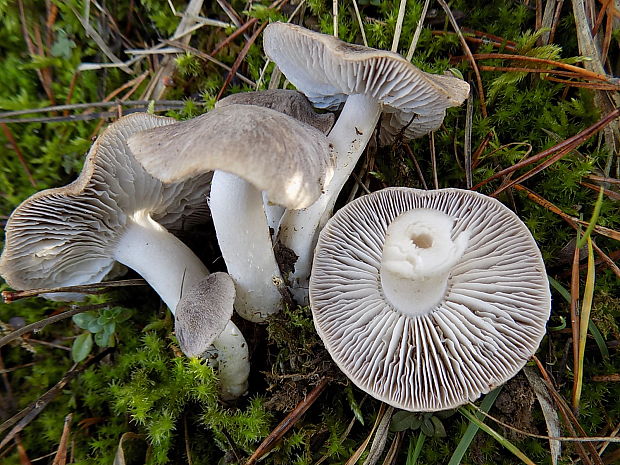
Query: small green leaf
x,y
440,431
94,326
427,427
456,73
82,346
154,326
82,320
402,420
104,339
63,46
123,315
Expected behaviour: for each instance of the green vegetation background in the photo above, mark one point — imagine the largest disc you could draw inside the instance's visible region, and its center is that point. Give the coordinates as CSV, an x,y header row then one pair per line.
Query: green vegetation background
x,y
163,406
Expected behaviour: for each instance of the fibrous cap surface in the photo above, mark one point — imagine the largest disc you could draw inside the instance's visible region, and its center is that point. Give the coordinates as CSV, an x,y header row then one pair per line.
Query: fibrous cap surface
x,y
327,70
203,313
289,102
490,320
287,159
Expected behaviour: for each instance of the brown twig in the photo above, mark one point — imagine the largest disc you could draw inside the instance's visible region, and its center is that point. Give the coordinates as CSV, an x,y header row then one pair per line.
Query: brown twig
x,y
416,164
483,38
558,64
556,21
96,288
470,57
135,82
613,378
91,116
247,25
205,56
24,417
242,28
542,436
46,72
47,321
607,260
74,79
537,169
52,14
475,158
469,114
288,422
568,144
569,419
585,85
574,316
244,51
607,232
603,179
20,156
518,69
601,14
607,37
61,454
434,160
611,194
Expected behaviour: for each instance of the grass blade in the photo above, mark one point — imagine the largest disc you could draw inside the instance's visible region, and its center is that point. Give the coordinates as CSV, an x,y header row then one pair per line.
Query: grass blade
x,y
594,331
472,429
584,320
593,220
414,453
598,338
495,435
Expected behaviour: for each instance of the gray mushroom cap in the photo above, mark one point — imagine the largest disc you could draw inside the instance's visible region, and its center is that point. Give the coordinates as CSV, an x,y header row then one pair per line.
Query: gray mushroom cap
x,y
328,70
488,321
289,102
65,236
277,154
203,313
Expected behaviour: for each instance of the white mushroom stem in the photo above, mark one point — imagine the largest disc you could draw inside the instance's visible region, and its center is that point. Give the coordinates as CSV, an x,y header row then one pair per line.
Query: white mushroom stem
x,y
273,212
166,263
299,228
418,255
234,365
244,239
170,268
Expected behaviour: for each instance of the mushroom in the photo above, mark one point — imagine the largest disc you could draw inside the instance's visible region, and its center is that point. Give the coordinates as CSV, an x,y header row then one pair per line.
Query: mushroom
x,y
114,211
291,103
428,299
369,81
251,149
202,314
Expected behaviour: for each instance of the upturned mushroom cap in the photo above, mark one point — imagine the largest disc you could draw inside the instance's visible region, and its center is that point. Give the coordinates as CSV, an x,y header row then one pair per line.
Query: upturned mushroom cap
x,y
328,70
64,236
289,102
287,159
476,329
203,313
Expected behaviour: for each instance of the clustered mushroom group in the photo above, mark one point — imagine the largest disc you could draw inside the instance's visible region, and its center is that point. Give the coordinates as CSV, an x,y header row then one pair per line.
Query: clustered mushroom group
x,y
425,299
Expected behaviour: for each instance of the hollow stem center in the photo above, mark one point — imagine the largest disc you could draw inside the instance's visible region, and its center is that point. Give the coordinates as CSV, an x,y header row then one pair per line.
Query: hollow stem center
x,y
418,255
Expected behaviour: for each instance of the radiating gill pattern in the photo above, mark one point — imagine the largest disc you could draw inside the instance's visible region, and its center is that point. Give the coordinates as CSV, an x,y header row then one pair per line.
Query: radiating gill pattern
x,y
489,323
318,65
82,220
